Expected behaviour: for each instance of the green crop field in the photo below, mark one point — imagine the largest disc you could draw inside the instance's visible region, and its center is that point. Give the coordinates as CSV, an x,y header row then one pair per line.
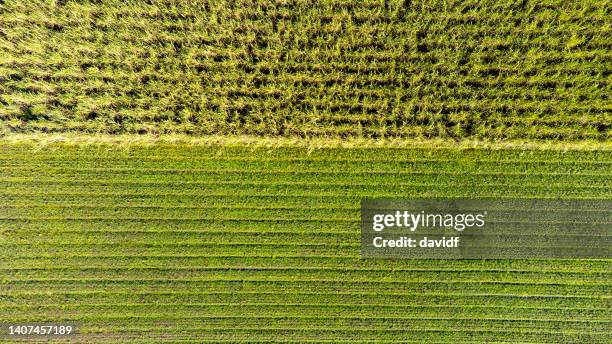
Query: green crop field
x,y
490,69
192,171
234,243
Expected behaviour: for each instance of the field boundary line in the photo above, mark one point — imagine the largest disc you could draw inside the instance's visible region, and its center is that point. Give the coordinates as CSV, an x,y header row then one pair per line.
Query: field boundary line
x,y
126,140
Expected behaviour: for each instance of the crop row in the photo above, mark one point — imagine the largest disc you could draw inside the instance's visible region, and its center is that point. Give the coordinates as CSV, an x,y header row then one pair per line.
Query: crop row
x,y
351,322
437,191
124,311
238,297
18,287
300,274
307,165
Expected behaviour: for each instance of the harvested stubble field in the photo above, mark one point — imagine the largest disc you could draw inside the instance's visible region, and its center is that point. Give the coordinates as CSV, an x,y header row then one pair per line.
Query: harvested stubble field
x,y
373,68
243,243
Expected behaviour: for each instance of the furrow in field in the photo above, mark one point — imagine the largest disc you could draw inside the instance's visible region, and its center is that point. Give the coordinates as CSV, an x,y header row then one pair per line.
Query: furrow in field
x,y
228,274
420,191
196,201
279,263
241,261
177,183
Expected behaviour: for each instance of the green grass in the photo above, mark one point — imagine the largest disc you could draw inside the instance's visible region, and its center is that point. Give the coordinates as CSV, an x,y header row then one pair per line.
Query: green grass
x,y
453,69
232,243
